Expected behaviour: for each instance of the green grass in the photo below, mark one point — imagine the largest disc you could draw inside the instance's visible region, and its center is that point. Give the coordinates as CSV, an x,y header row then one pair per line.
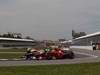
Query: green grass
x,y
10,55
13,50
75,69
18,52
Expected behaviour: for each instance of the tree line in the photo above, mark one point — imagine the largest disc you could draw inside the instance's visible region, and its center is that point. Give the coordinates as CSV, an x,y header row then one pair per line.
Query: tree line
x,y
77,34
14,35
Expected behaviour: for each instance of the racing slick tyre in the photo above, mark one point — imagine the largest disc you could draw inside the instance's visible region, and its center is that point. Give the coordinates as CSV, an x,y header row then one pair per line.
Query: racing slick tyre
x,y
49,58
69,55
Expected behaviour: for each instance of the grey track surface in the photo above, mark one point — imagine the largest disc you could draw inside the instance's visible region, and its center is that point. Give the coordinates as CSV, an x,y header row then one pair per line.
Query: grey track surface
x,y
81,56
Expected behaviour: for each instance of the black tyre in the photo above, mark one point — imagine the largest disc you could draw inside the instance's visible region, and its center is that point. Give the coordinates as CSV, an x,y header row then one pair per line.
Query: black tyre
x,y
68,54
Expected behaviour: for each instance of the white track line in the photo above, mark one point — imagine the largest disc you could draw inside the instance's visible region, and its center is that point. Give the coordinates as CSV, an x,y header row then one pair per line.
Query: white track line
x,y
87,54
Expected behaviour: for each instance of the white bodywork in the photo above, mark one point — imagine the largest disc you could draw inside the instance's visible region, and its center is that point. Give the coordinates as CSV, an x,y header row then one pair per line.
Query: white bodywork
x,y
65,49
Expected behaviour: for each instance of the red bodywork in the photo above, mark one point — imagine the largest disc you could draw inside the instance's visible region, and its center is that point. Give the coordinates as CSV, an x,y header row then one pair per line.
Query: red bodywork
x,y
57,53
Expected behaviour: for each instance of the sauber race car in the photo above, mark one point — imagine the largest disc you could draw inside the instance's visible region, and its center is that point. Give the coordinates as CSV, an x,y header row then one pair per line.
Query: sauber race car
x,y
48,54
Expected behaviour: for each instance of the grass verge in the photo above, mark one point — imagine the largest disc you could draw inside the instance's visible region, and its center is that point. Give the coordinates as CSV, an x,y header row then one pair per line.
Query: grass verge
x,y
72,69
10,55
13,50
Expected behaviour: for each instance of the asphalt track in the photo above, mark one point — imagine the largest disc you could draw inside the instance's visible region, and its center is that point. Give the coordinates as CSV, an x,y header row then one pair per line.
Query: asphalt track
x,y
81,56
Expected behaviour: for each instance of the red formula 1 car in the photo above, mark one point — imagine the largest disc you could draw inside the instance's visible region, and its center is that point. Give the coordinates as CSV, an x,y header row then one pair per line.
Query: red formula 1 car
x,y
60,54
48,55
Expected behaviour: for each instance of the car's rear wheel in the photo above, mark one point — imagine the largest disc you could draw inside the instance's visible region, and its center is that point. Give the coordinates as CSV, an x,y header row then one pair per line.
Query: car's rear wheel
x,y
69,55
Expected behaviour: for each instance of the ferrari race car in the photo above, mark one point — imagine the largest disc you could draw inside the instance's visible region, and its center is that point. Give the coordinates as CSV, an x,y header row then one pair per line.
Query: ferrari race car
x,y
49,54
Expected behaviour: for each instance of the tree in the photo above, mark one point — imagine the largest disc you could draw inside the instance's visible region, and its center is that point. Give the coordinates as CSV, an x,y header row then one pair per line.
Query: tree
x,y
82,33
12,35
62,39
17,35
28,37
73,34
76,35
8,35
